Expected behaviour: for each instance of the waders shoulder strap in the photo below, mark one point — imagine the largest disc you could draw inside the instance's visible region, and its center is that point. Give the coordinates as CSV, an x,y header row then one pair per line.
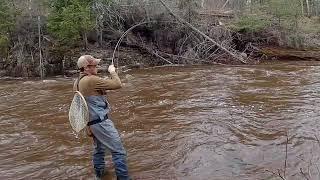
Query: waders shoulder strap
x,y
78,80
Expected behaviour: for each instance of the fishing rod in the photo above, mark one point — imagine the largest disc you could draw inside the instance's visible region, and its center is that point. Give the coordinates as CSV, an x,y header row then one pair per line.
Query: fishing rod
x,y
122,36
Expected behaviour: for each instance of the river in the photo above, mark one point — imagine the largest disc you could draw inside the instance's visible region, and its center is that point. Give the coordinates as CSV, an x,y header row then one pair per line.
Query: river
x,y
190,123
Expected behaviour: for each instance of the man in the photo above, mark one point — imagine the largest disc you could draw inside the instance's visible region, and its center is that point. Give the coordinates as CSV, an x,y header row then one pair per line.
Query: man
x,y
105,135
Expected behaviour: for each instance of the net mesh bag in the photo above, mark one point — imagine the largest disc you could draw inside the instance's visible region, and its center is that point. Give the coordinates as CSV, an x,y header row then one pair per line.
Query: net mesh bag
x,y
78,112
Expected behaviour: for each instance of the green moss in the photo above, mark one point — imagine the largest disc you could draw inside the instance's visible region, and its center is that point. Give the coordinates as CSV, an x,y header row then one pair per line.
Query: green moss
x,y
251,23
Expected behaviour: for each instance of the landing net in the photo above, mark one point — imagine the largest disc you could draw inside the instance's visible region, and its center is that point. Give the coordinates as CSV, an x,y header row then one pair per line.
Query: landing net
x,y
78,112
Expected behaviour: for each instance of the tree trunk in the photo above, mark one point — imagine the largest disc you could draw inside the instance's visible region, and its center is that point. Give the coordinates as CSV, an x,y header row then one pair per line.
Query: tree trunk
x,y
302,7
308,8
85,40
317,6
100,38
40,53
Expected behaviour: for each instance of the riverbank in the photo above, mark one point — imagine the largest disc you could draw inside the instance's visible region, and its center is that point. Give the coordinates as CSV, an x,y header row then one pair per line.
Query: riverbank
x,y
133,58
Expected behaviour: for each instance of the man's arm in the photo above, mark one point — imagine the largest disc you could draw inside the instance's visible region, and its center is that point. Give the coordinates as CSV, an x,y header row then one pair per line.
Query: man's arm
x,y
108,83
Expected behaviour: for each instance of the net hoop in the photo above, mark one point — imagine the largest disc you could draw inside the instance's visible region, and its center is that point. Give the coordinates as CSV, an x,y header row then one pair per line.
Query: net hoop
x,y
78,120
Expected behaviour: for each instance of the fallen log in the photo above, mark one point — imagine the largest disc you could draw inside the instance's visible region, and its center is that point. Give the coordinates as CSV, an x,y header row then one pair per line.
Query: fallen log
x,y
291,54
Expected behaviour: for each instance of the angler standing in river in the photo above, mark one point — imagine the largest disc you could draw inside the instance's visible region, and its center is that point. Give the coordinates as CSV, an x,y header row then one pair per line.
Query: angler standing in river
x,y
100,126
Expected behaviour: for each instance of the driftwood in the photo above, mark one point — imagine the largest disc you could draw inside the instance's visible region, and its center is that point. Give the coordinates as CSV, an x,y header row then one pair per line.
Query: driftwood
x,y
211,14
238,57
155,53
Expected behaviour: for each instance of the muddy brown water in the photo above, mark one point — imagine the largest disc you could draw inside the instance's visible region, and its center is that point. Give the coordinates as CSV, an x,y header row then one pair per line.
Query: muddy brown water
x,y
197,123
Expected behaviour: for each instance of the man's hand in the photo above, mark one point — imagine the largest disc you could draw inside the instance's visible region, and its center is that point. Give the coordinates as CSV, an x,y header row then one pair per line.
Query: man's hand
x,y
111,68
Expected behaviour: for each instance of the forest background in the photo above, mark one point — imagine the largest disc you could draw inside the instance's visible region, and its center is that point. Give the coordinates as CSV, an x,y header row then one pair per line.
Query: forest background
x,y
46,37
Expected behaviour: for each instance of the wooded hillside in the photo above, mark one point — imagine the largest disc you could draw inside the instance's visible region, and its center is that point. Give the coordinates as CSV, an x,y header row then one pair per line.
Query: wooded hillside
x,y
52,33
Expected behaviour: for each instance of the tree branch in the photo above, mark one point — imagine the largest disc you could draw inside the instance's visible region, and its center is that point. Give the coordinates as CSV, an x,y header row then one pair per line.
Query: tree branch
x,y
204,35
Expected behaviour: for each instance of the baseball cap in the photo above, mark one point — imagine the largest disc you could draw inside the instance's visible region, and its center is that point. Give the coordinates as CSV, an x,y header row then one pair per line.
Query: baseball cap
x,y
86,60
